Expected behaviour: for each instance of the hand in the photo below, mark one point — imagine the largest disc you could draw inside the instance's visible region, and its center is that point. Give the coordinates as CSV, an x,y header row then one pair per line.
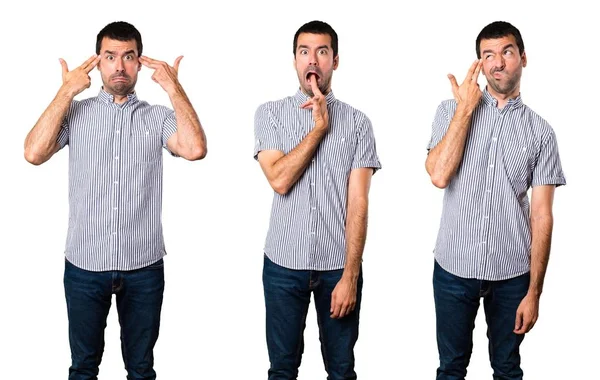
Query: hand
x,y
468,93
527,314
318,105
164,74
343,298
77,80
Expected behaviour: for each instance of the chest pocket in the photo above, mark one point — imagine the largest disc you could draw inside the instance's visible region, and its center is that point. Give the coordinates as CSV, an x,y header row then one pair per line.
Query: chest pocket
x,y
518,159
338,148
145,142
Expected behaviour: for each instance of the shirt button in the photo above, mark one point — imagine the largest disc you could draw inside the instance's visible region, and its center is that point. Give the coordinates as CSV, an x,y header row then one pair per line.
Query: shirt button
x,y
116,157
491,165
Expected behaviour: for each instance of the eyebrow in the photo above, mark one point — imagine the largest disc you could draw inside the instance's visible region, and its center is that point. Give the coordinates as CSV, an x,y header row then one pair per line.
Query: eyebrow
x,y
318,47
504,48
115,53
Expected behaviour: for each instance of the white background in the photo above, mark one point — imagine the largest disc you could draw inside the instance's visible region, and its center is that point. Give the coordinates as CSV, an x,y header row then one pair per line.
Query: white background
x,y
393,66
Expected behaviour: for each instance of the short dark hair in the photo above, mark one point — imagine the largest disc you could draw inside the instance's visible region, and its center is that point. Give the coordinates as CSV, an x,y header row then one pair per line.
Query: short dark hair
x,y
318,27
499,29
120,31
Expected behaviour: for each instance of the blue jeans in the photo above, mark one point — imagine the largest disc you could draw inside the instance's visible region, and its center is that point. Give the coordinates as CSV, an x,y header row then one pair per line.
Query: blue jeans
x,y
139,296
287,296
456,304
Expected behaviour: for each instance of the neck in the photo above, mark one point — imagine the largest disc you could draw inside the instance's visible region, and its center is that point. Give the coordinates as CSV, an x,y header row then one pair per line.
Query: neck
x,y
504,98
119,99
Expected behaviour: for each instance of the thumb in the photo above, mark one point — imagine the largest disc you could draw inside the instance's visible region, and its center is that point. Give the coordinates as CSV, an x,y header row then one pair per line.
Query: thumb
x,y
176,64
65,68
333,299
453,82
519,320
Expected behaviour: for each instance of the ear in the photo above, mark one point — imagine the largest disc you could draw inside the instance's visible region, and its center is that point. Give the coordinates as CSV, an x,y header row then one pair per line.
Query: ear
x,y
336,62
523,59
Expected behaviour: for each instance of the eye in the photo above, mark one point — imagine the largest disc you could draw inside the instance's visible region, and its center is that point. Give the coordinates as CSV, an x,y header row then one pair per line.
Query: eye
x,y
303,52
323,52
129,57
110,57
488,56
508,52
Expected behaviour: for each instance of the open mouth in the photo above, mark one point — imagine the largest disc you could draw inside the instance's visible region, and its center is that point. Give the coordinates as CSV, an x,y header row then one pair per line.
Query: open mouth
x,y
312,75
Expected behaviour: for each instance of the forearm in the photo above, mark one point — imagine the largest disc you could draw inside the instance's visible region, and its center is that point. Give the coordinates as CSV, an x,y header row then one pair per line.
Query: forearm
x,y
40,143
443,160
541,236
356,234
191,140
287,170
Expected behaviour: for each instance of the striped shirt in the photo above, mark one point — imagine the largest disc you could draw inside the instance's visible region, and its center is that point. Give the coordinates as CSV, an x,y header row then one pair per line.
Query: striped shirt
x,y
484,231
307,227
115,182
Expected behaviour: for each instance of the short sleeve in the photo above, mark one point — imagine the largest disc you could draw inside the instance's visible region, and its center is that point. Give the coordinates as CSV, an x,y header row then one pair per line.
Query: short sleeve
x,y
265,132
440,125
169,127
548,169
365,155
63,135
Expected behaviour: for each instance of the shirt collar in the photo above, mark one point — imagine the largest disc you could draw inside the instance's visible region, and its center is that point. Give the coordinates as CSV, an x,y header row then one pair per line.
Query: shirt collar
x,y
105,97
489,100
301,97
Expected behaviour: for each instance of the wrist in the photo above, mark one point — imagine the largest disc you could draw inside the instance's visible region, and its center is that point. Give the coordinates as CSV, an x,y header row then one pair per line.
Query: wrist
x,y
464,110
175,91
65,92
534,292
321,125
350,275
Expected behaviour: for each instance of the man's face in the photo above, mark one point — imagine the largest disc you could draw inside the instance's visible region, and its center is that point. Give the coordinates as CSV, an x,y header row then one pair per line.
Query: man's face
x,y
119,66
502,64
314,60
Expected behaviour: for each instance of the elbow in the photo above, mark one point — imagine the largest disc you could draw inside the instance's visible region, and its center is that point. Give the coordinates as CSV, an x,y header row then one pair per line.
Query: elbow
x,y
280,187
196,154
32,157
439,182
436,179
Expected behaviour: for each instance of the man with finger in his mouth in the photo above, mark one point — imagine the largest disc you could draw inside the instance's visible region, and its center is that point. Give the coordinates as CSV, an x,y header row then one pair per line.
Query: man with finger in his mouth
x,y
318,155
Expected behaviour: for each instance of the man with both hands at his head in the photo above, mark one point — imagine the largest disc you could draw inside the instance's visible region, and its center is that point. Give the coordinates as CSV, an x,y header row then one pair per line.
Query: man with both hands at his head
x,y
115,241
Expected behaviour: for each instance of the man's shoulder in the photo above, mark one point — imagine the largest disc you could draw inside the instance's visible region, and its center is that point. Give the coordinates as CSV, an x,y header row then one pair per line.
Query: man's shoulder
x,y
536,120
347,109
272,105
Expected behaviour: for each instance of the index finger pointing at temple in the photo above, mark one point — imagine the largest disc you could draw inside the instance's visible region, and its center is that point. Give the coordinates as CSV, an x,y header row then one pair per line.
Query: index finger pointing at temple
x,y
471,70
477,70
88,61
93,64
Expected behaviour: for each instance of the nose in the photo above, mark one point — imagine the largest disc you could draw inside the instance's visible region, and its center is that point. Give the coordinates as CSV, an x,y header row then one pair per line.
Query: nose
x,y
312,58
499,61
119,66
